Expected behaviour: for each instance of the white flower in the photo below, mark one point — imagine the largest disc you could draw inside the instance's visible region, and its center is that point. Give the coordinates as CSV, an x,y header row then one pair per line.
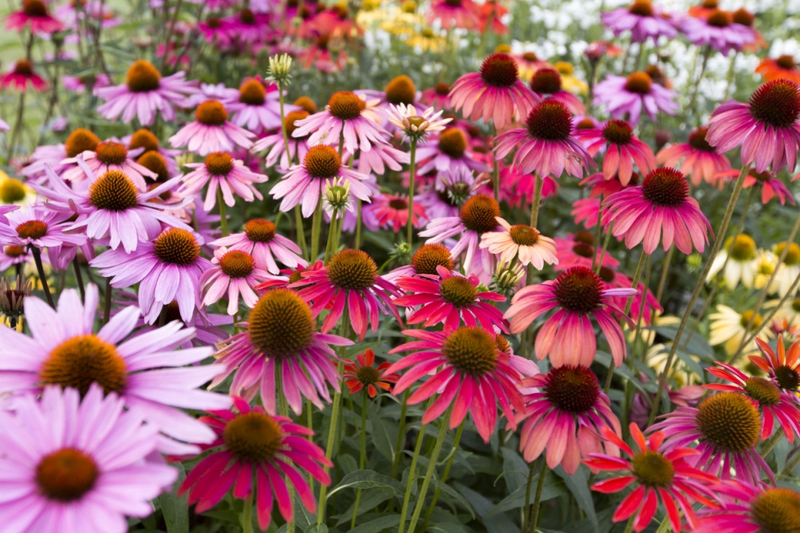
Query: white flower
x,y
415,126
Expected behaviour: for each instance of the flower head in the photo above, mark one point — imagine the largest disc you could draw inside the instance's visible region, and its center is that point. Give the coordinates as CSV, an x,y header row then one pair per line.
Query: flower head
x,y
261,240
783,367
752,507
701,161
361,374
621,96
782,67
643,19
520,242
280,69
414,126
220,171
211,131
622,147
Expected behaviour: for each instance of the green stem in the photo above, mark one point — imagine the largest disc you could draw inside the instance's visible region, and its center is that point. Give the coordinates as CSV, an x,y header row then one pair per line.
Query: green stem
x,y
537,199
301,234
635,283
169,35
247,514
362,458
107,306
283,117
79,276
629,525
17,127
770,444
790,465
598,233
706,54
411,177
664,271
496,166
37,257
526,507
605,248
359,223
331,229
316,227
445,475
223,219
412,475
401,433
533,510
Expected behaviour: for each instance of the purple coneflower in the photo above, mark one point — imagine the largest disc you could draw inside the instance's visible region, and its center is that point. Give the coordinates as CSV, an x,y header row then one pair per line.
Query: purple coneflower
x,y
211,131
449,152
295,151
233,273
260,240
257,107
623,96
642,19
220,171
751,507
105,157
718,30
425,260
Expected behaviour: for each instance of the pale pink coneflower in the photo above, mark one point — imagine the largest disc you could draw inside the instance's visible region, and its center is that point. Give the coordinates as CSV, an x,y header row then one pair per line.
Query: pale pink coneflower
x,y
211,131
221,172
233,273
276,144
623,96
520,242
261,240
108,156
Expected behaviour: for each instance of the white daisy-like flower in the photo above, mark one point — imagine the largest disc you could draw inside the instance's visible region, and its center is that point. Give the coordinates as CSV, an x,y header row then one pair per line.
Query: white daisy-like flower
x,y
789,269
740,262
416,127
729,327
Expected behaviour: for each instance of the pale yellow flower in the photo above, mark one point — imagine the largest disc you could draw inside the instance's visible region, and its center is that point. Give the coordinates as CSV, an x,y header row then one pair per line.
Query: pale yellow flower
x,y
427,40
729,327
568,80
13,191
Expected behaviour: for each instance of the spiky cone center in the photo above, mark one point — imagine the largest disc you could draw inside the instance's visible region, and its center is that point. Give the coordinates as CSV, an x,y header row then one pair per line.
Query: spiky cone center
x,y
546,81
777,510
652,469
79,141
82,360
442,89
471,351
458,290
665,186
530,56
253,437
144,139
142,77
480,213
578,289
246,16
322,162
346,105
787,377
572,389
367,375
792,256
502,343
281,324
583,250
719,19
113,191
236,264
606,274
742,249
429,256
32,229
290,120
219,163
14,251
11,191
252,92
259,230
499,70
23,67
155,162
743,17
453,3
550,121
177,246
639,83
617,132
306,104
401,90
643,8
398,203
749,315
584,237
65,475
786,62
352,270
453,142
776,103
34,8
729,421
211,113
523,235
697,140
111,153
762,391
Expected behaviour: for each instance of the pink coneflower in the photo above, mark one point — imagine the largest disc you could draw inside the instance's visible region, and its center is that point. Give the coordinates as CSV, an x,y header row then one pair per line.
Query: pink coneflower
x,y
146,140
437,96
546,82
168,268
38,227
642,19
450,152
617,280
517,188
257,107
215,31
78,141
112,207
454,14
520,242
77,463
391,211
15,255
545,145
563,415
726,428
751,508
656,474
701,161
661,203
261,240
473,376
319,52
362,373
623,96
144,93
80,84
783,367
771,185
718,31
233,274
20,76
35,15
495,93
587,210
579,250
280,342
108,156
350,280
766,128
425,260
622,148
260,457
298,146
220,171
247,28
567,336
144,370
449,298
211,131
444,193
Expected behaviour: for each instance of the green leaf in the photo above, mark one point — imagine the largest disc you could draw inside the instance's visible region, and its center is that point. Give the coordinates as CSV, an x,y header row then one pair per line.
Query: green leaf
x,y
496,524
379,524
515,469
384,435
370,499
553,488
316,528
454,494
367,479
578,485
174,509
605,360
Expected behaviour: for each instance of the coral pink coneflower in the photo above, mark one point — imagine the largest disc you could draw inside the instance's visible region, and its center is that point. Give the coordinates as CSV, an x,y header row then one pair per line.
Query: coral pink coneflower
x,y
568,337
521,242
211,131
391,211
579,250
546,82
362,373
701,161
462,14
587,210
622,147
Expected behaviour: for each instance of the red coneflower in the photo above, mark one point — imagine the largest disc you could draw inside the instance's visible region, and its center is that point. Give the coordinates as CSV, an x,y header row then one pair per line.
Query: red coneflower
x,y
362,373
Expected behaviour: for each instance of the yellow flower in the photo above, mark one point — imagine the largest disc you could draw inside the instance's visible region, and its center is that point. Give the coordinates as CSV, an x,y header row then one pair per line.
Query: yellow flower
x,y
427,40
729,328
13,191
568,80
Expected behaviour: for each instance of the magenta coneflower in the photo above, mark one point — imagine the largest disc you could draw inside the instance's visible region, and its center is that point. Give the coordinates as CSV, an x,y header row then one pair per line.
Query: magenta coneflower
x,y
623,96
579,250
350,280
587,210
67,464
726,428
280,344
261,240
143,370
211,131
563,415
108,156
661,204
520,242
656,474
260,457
454,14
752,508
517,188
295,151
143,93
771,185
35,15
717,30
546,145
642,19
450,152
568,337
622,147
233,274
473,376
449,298
766,128
438,96
495,93
20,76
221,172
257,108
477,216
168,269
701,161
391,211
362,373
546,82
